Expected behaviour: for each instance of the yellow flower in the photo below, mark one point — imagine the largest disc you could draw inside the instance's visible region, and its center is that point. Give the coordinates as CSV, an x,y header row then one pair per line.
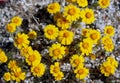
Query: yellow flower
x,y
109,47
59,76
12,64
26,51
71,1
55,69
66,37
106,39
92,56
76,60
21,40
112,61
38,70
32,34
104,3
94,36
17,74
57,51
11,27
51,32
87,16
17,20
81,72
86,47
7,76
34,58
63,23
85,32
82,3
71,12
109,30
3,57
107,69
53,8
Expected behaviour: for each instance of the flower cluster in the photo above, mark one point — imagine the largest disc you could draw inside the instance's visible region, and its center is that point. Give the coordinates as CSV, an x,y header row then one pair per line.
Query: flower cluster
x,y
55,71
109,66
15,22
78,63
107,40
31,57
42,52
14,73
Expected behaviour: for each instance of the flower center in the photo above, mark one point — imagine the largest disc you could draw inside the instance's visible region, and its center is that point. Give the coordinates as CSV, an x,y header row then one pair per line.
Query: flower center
x,y
17,74
32,35
84,32
20,40
93,57
77,61
9,27
58,76
7,76
36,69
93,36
88,15
80,71
64,20
109,46
85,45
56,52
31,58
66,34
51,7
108,69
50,32
109,31
104,2
15,20
25,50
71,11
56,69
